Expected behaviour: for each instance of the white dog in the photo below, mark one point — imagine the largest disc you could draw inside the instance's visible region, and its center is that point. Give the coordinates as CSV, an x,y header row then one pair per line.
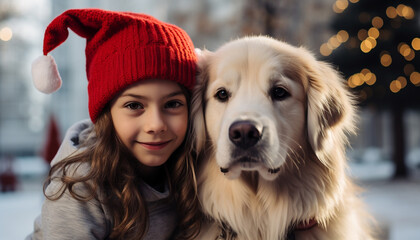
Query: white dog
x,y
270,124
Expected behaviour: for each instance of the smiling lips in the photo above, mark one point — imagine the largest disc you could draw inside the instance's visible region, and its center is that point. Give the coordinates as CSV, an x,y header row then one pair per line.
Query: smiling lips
x,y
154,145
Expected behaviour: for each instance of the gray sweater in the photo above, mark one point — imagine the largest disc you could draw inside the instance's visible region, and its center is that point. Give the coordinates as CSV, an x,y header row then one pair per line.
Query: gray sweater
x,y
68,218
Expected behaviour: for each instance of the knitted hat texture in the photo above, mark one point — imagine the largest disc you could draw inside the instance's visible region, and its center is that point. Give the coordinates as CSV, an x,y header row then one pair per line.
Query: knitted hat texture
x,y
121,48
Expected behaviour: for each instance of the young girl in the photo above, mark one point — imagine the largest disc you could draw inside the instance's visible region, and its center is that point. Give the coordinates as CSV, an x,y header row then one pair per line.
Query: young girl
x,y
127,175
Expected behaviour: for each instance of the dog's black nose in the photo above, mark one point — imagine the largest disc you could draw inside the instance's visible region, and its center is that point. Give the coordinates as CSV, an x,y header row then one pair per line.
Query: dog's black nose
x,y
244,134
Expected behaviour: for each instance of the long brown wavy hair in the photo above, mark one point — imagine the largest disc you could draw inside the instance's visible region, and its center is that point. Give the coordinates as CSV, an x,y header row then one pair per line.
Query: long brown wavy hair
x,y
113,173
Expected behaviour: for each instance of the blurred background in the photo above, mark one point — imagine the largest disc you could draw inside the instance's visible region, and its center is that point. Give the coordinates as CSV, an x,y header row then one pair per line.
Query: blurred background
x,y
374,43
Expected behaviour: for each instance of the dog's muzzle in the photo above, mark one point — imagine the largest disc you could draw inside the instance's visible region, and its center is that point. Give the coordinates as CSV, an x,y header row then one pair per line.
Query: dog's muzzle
x,y
244,134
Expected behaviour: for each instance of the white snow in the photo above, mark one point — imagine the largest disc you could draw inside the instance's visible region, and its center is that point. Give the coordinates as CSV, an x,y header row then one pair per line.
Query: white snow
x,y
395,204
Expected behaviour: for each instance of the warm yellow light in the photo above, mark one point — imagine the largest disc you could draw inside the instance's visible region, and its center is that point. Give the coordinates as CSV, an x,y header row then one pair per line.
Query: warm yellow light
x,y
415,43
395,86
404,49
370,78
333,42
408,12
386,60
325,50
6,34
357,79
377,22
362,34
415,78
410,56
405,11
365,71
354,1
372,41
342,4
373,32
403,81
366,46
391,12
400,8
342,36
350,82
336,9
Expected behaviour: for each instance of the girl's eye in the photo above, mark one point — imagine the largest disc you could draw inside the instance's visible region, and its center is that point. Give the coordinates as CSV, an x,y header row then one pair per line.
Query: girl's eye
x,y
134,106
222,95
278,93
173,104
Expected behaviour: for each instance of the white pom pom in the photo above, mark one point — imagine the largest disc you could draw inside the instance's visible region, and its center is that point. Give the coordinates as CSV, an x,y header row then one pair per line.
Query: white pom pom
x,y
198,51
45,74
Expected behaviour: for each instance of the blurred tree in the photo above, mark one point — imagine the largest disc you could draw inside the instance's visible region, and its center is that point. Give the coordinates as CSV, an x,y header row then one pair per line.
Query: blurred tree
x,y
375,47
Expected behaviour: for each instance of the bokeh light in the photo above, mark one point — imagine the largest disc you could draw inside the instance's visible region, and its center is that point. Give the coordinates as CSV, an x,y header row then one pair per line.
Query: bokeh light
x,y
6,34
373,32
415,43
386,59
415,78
340,5
377,22
391,12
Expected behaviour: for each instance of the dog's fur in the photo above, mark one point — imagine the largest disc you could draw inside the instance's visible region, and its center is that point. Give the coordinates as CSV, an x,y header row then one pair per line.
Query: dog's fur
x,y
294,170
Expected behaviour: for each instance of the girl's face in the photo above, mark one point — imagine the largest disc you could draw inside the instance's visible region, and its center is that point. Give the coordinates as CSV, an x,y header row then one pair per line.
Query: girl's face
x,y
151,119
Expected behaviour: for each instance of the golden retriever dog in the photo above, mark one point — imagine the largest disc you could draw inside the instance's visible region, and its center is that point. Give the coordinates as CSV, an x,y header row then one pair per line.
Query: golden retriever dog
x,y
270,125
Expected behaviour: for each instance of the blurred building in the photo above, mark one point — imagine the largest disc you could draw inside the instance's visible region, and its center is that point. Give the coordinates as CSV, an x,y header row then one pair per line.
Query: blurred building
x,y
25,112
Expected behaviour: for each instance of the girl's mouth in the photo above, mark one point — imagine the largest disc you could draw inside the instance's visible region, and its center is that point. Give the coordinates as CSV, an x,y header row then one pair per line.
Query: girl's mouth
x,y
154,145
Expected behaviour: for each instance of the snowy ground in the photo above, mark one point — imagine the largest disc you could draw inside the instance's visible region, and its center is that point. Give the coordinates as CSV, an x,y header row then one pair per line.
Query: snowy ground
x,y
396,204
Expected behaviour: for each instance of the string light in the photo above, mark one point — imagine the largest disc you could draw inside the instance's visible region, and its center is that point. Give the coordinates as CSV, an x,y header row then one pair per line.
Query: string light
x,y
385,59
340,5
373,32
6,34
377,22
391,12
395,86
343,36
415,43
415,78
358,79
405,11
404,49
333,43
403,81
325,50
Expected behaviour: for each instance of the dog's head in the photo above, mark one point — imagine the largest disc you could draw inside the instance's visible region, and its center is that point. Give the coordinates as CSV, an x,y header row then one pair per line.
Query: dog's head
x,y
259,102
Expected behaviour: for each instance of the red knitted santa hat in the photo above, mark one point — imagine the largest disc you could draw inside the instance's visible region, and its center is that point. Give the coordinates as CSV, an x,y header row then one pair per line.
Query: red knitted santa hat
x,y
121,48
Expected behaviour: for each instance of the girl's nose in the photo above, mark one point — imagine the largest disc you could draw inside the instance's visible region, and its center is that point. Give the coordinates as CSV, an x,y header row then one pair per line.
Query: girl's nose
x,y
155,122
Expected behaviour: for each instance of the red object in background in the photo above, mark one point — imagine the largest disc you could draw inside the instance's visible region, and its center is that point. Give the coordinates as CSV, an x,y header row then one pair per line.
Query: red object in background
x,y
52,142
8,179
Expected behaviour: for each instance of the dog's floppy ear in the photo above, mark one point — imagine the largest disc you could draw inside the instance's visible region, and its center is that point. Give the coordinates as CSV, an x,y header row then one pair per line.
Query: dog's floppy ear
x,y
198,101
331,109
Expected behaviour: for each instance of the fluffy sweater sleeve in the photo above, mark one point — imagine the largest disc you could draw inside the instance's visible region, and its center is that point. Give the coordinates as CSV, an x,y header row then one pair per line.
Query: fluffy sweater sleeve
x,y
68,218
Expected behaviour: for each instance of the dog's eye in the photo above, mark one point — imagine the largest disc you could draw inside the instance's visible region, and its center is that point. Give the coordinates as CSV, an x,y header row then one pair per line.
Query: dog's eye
x,y
222,95
279,93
